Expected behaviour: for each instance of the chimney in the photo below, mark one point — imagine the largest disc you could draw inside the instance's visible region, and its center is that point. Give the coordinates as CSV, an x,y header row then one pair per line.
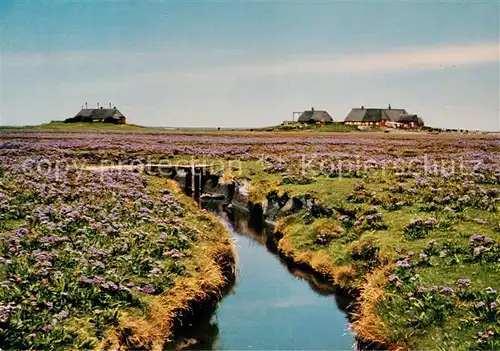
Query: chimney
x,y
389,106
110,105
312,109
362,107
97,105
85,105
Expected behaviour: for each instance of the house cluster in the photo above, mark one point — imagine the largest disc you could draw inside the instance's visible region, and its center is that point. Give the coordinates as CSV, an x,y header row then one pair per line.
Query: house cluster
x,y
370,117
99,114
383,117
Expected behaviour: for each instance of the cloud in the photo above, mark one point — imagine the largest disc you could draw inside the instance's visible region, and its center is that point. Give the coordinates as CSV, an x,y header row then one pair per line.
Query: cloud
x,y
413,59
75,58
157,68
154,58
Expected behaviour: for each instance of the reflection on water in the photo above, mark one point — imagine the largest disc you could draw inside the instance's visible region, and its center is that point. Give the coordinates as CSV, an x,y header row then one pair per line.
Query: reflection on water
x,y
270,306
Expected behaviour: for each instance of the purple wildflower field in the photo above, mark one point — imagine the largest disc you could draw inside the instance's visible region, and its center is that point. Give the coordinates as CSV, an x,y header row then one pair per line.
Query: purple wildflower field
x,y
78,248
78,245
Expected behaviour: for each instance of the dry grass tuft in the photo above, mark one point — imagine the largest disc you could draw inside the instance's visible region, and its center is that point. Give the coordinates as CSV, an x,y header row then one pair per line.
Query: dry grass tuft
x,y
321,263
345,276
369,325
329,227
228,177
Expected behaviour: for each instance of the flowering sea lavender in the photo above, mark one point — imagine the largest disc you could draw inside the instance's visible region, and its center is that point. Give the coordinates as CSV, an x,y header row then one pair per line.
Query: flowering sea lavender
x,y
174,253
430,221
21,231
155,271
344,218
62,315
403,264
97,264
47,328
463,283
476,238
484,337
488,241
147,289
109,286
479,250
446,290
490,291
480,304
5,311
393,278
86,280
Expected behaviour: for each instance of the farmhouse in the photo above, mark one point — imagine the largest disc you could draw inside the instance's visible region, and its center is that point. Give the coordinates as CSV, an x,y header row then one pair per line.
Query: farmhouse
x,y
99,114
315,116
395,117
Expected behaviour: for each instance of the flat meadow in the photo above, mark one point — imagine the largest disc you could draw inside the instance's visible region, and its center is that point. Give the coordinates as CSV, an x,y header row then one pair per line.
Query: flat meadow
x,y
408,223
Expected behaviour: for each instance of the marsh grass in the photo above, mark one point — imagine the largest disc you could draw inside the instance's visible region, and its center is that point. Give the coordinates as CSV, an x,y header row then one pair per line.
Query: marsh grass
x,y
209,267
368,257
69,254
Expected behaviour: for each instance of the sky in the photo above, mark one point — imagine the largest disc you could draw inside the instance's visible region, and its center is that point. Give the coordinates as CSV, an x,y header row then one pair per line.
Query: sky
x,y
249,63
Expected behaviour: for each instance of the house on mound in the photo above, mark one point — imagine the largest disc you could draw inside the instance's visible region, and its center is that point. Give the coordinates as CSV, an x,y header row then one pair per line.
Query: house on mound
x,y
99,114
315,116
394,117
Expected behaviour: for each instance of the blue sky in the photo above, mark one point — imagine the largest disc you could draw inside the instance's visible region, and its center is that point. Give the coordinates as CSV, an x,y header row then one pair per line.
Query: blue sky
x,y
244,64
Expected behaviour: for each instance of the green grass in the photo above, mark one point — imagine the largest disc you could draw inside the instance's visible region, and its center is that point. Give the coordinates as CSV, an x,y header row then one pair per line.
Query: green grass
x,y
355,248
338,127
326,191
335,127
62,127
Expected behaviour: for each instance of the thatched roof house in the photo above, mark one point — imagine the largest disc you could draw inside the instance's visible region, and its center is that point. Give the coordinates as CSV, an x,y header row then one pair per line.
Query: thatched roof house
x,y
382,116
313,116
411,119
105,115
374,114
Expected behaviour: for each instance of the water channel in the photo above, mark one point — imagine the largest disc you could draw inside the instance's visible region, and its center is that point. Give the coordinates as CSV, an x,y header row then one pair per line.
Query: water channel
x,y
271,306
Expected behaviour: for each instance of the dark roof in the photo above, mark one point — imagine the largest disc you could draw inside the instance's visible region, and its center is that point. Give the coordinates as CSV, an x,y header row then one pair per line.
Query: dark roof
x,y
393,114
356,115
99,113
374,114
315,115
85,112
410,118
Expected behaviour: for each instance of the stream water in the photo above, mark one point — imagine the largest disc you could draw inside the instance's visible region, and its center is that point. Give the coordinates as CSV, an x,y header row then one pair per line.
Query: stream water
x,y
271,305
